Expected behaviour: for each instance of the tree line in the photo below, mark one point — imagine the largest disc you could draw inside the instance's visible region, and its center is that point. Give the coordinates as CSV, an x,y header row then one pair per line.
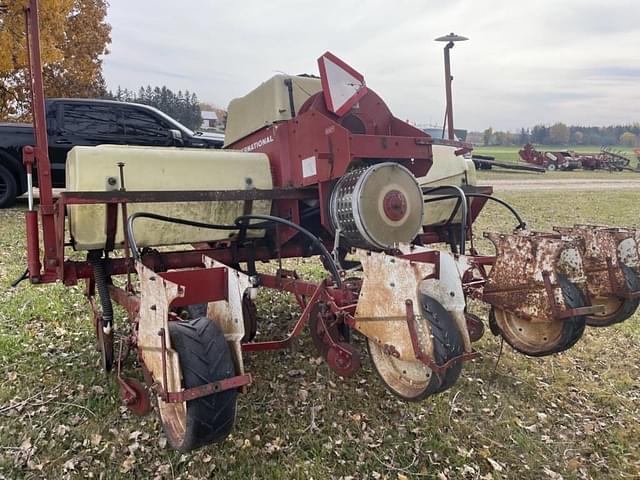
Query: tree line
x,y
561,134
183,107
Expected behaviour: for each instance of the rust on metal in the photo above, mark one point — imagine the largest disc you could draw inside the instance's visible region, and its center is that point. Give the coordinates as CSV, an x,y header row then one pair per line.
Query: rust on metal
x,y
388,282
605,251
523,279
208,389
154,196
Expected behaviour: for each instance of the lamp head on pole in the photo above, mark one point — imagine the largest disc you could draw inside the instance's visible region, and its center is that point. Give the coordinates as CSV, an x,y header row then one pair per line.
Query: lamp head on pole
x,y
451,39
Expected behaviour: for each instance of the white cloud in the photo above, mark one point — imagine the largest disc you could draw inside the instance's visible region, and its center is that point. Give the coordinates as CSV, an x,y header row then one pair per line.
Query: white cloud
x,y
527,62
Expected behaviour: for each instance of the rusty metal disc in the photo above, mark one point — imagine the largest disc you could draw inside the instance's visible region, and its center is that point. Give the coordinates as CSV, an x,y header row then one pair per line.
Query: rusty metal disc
x,y
321,330
250,318
617,309
412,381
138,403
475,327
539,339
532,338
344,359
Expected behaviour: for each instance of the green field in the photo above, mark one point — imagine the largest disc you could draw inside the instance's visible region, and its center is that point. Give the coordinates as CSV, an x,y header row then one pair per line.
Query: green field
x,y
573,415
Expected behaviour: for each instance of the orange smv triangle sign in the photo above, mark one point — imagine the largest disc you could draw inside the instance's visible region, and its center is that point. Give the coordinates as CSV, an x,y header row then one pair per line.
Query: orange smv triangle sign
x,y
342,86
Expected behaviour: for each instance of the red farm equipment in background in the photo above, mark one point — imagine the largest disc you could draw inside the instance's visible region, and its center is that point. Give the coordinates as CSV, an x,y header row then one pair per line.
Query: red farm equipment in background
x,y
311,167
551,161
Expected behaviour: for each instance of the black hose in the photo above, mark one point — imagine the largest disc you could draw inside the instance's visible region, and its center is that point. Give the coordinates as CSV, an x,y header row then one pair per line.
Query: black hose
x,y
239,222
521,223
22,277
461,195
154,216
315,240
100,277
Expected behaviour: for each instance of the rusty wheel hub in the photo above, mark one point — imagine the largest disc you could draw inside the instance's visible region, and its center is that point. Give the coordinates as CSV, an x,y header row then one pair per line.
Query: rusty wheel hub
x,y
534,337
408,380
343,359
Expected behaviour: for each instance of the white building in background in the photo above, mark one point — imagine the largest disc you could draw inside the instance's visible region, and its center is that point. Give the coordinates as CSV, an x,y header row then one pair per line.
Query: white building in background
x,y
213,120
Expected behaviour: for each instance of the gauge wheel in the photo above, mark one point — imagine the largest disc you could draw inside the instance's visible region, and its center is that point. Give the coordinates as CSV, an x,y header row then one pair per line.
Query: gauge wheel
x,y
205,358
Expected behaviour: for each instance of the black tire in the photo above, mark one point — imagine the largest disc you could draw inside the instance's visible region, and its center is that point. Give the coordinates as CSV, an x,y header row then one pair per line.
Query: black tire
x,y
8,187
204,358
249,316
447,344
628,306
447,340
572,328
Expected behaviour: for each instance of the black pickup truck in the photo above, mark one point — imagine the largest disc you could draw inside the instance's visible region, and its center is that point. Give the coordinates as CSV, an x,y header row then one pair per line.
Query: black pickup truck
x,y
79,121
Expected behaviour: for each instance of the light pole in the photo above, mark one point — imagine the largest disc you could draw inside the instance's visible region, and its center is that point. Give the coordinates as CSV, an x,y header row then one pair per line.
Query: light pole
x,y
450,39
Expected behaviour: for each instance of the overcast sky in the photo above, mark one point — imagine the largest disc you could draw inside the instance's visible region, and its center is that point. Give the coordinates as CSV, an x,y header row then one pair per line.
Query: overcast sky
x,y
527,62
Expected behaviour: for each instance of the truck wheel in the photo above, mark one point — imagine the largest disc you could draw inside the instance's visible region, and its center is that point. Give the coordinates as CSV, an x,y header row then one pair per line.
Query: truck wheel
x,y
552,167
8,188
204,358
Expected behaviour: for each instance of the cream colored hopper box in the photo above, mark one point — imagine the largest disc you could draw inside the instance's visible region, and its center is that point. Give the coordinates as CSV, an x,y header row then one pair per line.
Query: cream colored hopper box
x,y
154,168
165,168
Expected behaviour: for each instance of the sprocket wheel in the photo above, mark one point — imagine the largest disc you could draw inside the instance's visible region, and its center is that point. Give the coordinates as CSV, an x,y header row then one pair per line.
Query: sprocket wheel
x,y
344,359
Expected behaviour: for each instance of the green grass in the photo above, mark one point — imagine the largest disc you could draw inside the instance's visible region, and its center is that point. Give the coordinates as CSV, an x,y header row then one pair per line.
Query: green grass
x,y
575,414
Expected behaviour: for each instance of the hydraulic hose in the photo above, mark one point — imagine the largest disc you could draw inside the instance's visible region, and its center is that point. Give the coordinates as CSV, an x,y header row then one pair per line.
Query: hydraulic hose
x,y
315,240
461,203
269,221
521,223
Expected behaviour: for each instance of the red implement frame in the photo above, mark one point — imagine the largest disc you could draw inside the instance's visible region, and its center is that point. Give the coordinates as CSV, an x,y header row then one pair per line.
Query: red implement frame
x,y
314,132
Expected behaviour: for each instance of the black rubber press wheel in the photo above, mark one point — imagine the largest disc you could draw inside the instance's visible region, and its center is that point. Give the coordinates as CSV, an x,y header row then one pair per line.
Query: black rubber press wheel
x,y
617,309
413,380
249,316
538,339
204,358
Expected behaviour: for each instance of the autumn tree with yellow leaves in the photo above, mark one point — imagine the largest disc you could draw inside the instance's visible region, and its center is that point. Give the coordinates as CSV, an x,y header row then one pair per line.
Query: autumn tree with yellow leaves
x,y
73,37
